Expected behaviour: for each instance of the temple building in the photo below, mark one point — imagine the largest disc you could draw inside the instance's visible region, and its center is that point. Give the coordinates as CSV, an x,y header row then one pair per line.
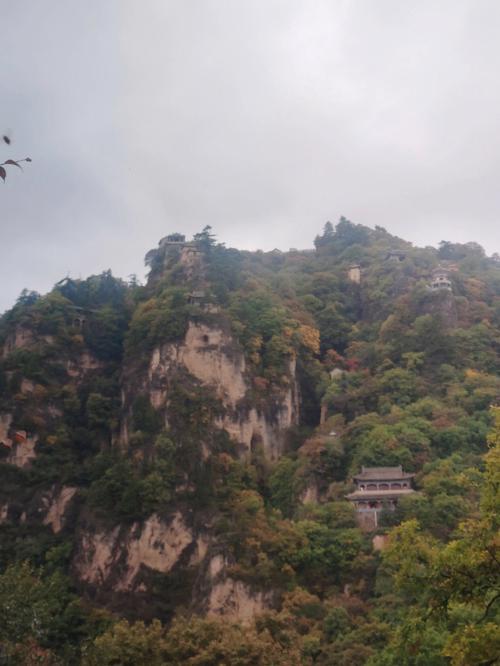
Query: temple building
x,y
196,297
378,489
395,256
440,280
354,273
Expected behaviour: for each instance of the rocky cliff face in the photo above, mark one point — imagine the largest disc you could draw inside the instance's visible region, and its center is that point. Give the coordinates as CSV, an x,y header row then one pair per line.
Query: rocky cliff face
x,y
53,508
232,599
57,504
64,368
33,407
211,356
117,564
117,557
19,445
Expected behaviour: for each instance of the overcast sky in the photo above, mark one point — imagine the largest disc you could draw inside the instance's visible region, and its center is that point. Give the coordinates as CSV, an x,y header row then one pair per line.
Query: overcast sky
x,y
262,118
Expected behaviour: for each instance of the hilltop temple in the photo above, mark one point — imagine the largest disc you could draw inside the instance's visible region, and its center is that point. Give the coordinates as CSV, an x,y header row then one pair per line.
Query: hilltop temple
x,y
378,489
441,280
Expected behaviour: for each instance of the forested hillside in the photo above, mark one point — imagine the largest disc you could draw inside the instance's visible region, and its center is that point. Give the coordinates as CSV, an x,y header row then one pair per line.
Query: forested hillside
x,y
175,458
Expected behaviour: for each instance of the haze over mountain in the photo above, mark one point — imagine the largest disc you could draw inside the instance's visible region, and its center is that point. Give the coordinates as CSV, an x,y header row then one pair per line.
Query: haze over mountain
x,y
263,119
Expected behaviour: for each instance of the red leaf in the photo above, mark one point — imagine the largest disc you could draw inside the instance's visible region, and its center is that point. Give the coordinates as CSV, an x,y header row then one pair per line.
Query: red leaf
x,y
13,162
3,173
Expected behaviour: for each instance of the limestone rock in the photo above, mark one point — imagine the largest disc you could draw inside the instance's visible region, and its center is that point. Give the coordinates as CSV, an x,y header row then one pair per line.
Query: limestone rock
x,y
57,504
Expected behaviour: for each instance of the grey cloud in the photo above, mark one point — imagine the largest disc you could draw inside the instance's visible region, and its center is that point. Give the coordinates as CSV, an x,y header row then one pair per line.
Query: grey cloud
x,y
262,118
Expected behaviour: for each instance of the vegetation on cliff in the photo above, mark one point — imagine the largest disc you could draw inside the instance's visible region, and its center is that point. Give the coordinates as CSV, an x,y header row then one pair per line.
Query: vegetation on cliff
x,y
388,372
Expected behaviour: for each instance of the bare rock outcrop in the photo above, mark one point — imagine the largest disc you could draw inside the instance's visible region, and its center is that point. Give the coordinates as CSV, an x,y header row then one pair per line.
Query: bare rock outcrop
x,y
21,445
118,563
5,424
212,356
20,338
23,450
97,551
116,557
23,337
233,599
310,494
157,545
57,503
86,362
207,354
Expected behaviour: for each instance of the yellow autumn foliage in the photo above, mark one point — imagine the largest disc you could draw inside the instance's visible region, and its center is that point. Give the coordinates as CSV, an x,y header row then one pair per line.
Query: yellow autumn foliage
x,y
310,338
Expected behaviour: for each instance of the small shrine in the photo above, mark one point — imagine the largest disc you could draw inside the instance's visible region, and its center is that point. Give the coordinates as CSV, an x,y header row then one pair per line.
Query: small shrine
x,y
395,256
440,280
378,489
354,273
173,239
196,297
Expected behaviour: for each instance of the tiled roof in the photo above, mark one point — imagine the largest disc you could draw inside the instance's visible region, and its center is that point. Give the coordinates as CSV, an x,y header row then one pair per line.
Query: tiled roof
x,y
382,473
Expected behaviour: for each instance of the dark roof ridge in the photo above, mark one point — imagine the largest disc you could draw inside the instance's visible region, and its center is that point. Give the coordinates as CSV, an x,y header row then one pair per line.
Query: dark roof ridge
x,y
383,473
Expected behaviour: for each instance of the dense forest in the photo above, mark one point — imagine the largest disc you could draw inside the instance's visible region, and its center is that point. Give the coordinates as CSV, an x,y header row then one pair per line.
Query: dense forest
x,y
175,458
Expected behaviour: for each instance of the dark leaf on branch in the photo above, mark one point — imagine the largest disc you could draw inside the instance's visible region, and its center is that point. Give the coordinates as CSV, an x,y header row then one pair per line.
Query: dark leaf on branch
x,y
28,159
14,163
3,173
6,139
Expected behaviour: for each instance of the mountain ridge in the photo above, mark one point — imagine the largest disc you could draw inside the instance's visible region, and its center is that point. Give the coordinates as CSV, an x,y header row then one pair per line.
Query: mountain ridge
x,y
184,449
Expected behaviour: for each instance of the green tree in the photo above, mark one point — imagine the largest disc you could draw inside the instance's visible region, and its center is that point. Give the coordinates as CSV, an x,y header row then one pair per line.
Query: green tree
x,y
457,583
128,645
